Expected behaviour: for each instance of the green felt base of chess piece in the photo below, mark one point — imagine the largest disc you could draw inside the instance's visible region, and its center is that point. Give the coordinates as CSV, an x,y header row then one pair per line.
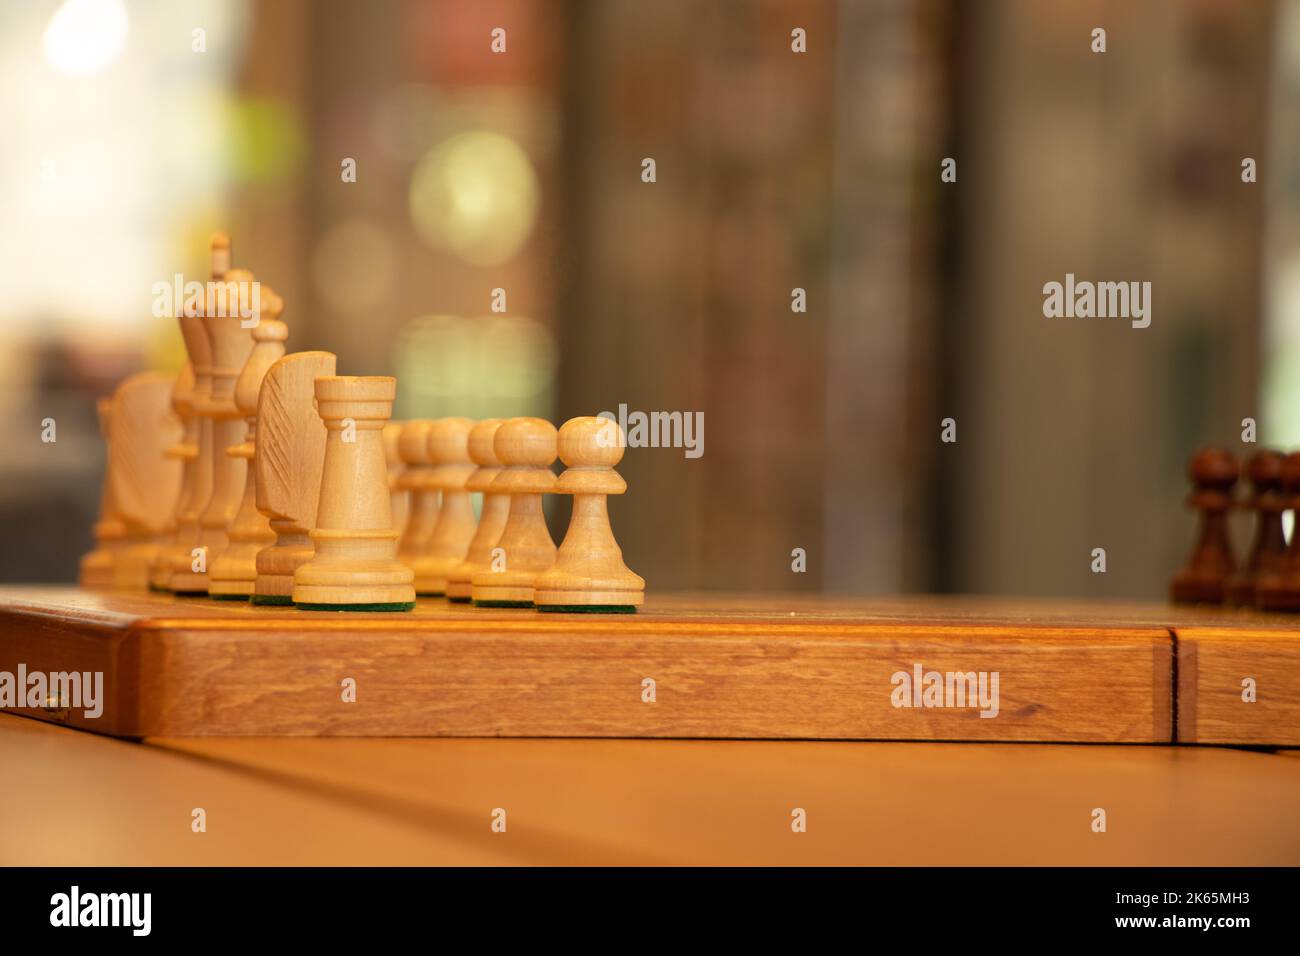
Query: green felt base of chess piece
x,y
190,594
588,608
393,606
459,600
272,600
229,597
503,603
157,590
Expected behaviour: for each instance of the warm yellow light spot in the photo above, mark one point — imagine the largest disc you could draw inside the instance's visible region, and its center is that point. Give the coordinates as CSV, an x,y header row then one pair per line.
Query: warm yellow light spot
x,y
265,139
476,195
494,366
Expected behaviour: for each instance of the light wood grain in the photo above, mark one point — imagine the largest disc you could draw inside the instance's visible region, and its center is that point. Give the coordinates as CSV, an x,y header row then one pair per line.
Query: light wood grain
x,y
1212,665
114,803
614,802
887,804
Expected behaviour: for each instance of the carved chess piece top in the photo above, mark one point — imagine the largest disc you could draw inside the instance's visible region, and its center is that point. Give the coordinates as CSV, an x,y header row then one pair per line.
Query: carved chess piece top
x,y
219,254
287,467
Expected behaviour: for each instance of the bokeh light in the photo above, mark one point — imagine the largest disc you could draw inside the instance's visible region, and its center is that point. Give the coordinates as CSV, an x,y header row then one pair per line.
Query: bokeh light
x,y
476,195
85,36
492,366
102,172
266,142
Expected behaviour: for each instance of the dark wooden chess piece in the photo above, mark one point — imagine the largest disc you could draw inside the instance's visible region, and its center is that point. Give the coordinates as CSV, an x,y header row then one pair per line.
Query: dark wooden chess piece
x,y
1267,501
1279,589
1201,581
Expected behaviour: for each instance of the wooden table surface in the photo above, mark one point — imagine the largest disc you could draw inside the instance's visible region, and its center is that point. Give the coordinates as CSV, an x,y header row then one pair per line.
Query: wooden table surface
x,y
94,800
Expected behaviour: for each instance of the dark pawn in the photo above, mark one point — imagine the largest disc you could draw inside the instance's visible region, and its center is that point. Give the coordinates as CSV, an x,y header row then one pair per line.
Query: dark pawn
x,y
1268,503
1201,581
1279,589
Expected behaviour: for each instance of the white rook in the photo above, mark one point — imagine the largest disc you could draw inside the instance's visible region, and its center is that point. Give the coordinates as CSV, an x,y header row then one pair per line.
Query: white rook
x,y
355,566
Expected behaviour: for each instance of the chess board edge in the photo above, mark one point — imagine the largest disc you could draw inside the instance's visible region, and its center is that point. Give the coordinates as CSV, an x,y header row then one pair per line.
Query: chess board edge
x,y
1238,687
684,667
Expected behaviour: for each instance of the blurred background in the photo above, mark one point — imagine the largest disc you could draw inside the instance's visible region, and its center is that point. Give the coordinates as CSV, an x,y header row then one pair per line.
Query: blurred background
x,y
133,129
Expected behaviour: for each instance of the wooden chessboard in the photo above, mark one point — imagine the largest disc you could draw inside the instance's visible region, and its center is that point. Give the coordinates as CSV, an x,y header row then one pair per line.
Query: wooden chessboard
x,y
722,666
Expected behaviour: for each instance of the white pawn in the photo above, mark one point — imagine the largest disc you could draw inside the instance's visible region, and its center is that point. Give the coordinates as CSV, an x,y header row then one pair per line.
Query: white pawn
x,y
589,574
526,449
492,520
449,452
422,500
